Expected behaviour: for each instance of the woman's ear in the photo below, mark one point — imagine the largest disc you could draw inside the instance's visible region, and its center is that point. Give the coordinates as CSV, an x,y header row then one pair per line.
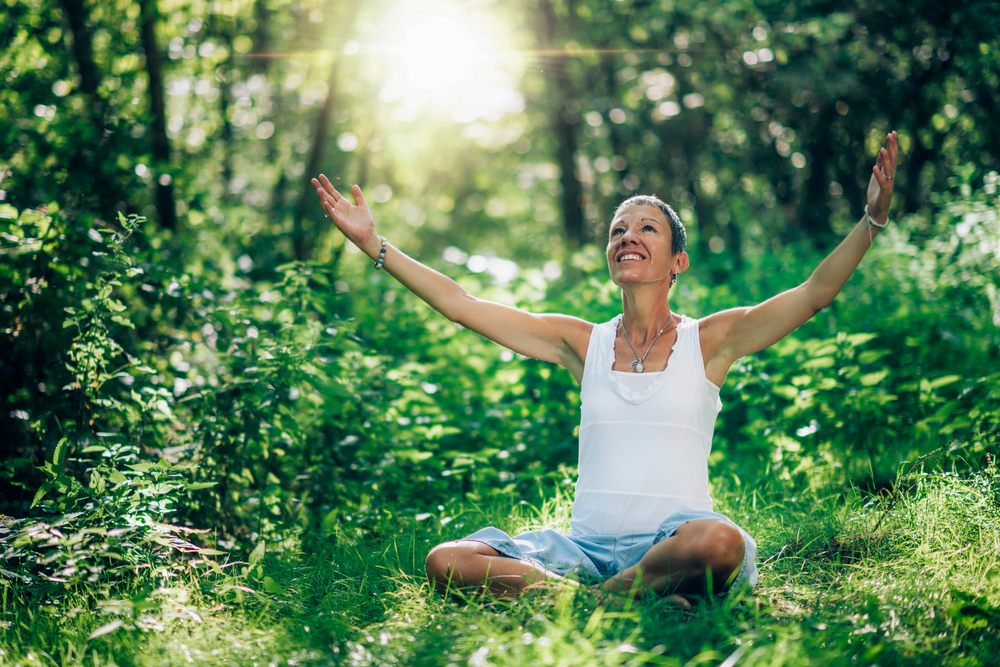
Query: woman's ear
x,y
681,262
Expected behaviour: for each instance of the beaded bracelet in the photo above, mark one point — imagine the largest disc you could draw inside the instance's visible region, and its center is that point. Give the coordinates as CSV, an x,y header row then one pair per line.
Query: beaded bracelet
x,y
873,225
381,255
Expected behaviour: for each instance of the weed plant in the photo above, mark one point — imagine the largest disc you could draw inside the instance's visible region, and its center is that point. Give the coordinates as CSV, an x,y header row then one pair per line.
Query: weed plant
x,y
911,581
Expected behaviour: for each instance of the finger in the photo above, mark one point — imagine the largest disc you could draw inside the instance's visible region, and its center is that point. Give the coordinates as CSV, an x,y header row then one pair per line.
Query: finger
x,y
894,150
883,182
328,186
320,192
885,164
325,201
359,197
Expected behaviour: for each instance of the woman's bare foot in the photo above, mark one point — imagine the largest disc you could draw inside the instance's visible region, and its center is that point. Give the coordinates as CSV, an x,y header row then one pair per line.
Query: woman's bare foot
x,y
616,599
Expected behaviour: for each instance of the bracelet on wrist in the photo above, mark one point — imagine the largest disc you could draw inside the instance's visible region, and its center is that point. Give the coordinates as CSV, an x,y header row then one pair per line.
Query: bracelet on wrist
x,y
381,255
872,225
871,220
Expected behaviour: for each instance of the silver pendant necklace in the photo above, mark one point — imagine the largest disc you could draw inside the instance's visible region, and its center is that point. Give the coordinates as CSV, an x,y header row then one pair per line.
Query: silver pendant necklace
x,y
637,364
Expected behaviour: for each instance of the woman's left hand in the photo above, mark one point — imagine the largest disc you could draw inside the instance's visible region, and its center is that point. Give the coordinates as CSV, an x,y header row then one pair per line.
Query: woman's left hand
x,y
883,179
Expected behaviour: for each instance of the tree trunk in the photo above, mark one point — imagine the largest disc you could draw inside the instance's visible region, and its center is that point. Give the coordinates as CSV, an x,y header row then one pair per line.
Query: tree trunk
x,y
815,219
561,91
260,64
223,75
76,14
158,123
300,247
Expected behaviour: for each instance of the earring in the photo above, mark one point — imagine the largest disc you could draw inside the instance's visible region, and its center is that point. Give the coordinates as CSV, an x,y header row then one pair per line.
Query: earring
x,y
673,278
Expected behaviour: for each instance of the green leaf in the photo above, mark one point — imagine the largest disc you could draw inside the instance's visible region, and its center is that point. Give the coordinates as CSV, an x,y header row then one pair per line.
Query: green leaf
x,y
42,490
107,627
272,587
145,467
819,362
786,391
59,454
211,552
197,486
257,554
411,454
871,356
860,338
869,379
97,482
8,212
945,380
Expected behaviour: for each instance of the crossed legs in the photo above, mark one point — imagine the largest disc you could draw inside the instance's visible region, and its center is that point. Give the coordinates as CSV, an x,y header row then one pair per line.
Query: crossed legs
x,y
466,564
701,551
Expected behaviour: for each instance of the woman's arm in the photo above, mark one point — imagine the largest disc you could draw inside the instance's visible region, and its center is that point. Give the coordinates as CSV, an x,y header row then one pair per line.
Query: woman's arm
x,y
731,334
557,338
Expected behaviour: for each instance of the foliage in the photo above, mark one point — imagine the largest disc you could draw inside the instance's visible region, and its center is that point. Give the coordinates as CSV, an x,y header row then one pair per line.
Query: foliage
x,y
108,510
247,375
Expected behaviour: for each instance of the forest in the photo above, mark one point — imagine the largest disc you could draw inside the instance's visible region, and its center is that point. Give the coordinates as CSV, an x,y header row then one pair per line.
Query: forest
x,y
226,439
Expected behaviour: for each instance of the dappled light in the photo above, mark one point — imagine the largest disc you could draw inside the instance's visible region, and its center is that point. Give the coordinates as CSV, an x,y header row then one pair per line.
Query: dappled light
x,y
239,407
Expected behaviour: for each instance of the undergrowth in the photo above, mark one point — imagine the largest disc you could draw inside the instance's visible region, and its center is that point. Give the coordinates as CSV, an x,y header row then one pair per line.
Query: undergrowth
x,y
882,580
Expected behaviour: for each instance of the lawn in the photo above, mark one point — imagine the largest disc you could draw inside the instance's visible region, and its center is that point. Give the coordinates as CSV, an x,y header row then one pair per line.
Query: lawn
x,y
908,577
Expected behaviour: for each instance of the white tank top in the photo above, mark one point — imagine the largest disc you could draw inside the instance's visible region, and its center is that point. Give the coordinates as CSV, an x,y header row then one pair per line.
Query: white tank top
x,y
644,438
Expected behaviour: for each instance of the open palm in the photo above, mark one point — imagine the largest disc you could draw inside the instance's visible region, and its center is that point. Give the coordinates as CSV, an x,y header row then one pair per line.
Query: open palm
x,y
355,221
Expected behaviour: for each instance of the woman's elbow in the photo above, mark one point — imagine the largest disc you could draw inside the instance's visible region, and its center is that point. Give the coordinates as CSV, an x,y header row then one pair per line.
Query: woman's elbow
x,y
460,311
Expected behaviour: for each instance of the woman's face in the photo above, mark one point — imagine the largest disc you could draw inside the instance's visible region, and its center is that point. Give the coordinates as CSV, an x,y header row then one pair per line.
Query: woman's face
x,y
639,247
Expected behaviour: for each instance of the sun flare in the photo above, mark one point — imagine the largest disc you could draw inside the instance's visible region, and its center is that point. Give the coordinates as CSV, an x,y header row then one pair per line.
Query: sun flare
x,y
449,58
440,53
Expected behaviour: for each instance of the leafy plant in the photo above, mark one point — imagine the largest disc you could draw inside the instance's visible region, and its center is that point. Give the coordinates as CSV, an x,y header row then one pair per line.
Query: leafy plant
x,y
109,510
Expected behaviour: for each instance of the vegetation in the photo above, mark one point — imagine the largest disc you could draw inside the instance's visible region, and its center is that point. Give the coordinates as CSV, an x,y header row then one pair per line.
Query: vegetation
x,y
225,439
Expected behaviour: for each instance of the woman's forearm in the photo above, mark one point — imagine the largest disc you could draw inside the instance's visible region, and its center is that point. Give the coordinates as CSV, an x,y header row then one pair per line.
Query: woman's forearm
x,y
833,272
436,289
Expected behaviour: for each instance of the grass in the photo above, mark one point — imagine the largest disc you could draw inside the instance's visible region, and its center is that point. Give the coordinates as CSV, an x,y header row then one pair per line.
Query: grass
x,y
843,580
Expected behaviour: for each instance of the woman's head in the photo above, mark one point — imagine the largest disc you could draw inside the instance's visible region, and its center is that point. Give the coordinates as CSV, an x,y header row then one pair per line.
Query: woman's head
x,y
646,243
677,232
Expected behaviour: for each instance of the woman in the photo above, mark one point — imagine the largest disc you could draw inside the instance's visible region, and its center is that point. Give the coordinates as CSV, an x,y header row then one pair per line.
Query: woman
x,y
650,383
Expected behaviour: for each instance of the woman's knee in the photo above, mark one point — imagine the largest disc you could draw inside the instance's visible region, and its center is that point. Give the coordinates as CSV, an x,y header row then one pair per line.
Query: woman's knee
x,y
720,548
445,559
441,561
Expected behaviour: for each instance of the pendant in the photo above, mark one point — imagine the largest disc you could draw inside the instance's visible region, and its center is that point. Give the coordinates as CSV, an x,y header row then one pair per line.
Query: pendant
x,y
637,365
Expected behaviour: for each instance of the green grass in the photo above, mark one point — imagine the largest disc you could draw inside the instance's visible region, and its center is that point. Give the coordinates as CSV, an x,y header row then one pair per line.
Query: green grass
x,y
843,580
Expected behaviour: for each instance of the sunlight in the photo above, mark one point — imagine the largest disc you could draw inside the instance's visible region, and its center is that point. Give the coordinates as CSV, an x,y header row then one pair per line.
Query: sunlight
x,y
440,53
448,58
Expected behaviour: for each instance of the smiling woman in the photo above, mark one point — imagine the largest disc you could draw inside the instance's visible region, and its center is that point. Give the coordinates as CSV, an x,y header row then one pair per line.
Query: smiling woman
x,y
643,518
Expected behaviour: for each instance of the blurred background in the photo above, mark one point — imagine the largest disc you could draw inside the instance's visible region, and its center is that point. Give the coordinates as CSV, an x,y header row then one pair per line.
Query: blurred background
x,y
508,130
235,334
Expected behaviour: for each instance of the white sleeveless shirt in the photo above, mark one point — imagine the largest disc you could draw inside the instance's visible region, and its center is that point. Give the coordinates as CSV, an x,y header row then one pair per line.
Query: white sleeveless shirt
x,y
644,438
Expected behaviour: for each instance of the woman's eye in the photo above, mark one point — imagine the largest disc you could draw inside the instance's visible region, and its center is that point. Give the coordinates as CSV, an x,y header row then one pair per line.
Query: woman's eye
x,y
649,228
616,232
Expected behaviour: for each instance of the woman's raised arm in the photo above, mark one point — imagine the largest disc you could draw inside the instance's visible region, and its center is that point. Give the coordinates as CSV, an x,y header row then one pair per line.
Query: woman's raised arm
x,y
557,338
730,334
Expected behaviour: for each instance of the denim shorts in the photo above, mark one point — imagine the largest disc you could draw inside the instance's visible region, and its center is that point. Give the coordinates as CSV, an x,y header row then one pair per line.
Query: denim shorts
x,y
594,558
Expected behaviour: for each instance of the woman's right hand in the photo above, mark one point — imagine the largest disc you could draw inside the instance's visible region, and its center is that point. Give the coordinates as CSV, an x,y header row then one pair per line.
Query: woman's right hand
x,y
355,222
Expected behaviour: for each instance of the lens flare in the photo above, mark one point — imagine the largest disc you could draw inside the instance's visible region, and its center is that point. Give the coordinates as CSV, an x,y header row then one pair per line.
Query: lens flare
x,y
449,58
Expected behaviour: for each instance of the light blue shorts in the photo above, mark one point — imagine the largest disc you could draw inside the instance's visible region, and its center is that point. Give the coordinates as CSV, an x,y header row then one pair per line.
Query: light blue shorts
x,y
594,558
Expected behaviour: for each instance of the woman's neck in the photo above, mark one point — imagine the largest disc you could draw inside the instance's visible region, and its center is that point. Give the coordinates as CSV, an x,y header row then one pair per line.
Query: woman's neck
x,y
645,311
